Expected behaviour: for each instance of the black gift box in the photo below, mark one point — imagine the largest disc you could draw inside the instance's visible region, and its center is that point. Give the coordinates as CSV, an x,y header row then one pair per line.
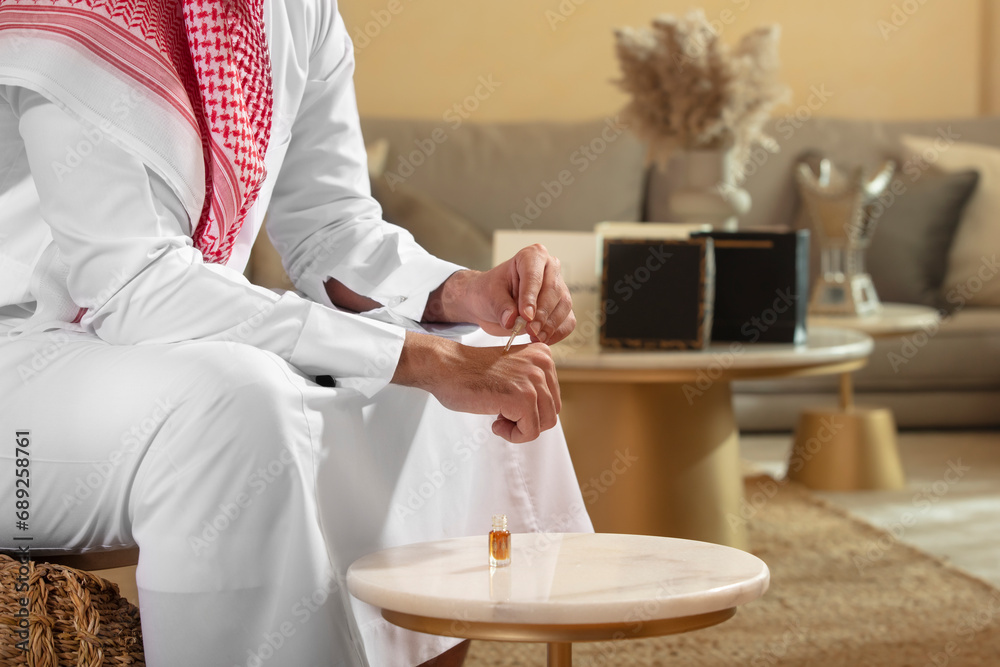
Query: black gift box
x,y
656,293
761,286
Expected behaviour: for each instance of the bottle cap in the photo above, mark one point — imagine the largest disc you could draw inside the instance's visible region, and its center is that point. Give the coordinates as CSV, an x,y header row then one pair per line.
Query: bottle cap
x,y
499,522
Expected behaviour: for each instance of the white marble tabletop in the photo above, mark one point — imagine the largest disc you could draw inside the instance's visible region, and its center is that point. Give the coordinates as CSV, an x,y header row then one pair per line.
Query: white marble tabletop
x,y
560,579
893,318
825,345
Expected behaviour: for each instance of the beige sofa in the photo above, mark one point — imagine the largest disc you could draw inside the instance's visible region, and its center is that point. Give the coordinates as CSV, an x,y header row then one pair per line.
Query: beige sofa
x,y
453,186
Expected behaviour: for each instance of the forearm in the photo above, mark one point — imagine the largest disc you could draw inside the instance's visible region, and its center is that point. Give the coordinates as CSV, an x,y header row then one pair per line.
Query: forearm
x,y
444,304
346,298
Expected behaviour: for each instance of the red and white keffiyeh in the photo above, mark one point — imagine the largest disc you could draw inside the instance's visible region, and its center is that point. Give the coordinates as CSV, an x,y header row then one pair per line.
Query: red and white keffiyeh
x,y
205,62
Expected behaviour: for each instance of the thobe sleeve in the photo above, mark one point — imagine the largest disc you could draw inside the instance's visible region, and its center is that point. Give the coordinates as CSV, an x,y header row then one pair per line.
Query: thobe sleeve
x,y
124,236
322,218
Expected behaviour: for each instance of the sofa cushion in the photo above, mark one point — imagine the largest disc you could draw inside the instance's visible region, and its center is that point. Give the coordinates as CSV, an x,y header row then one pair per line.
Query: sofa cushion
x,y
908,256
972,263
438,229
544,175
963,354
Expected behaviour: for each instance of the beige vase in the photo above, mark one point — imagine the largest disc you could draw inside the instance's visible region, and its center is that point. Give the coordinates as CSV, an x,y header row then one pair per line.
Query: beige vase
x,y
708,192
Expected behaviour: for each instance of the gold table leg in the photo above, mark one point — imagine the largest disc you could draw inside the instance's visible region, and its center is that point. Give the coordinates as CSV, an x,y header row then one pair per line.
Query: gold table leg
x,y
653,459
846,392
560,654
850,449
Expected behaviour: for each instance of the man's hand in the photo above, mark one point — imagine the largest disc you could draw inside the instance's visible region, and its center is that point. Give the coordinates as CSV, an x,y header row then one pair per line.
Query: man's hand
x,y
529,284
520,387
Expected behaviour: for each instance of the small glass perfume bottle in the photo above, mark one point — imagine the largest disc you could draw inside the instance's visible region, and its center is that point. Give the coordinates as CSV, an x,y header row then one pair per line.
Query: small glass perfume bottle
x,y
499,542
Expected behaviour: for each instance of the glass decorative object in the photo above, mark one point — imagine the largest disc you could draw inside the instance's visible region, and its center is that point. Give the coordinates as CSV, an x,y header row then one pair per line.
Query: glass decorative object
x,y
837,205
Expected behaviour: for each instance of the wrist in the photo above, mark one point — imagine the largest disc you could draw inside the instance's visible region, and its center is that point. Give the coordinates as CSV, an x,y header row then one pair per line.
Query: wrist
x,y
449,302
424,360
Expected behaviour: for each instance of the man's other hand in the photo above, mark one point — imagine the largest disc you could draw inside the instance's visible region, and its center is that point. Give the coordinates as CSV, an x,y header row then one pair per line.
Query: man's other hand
x,y
520,387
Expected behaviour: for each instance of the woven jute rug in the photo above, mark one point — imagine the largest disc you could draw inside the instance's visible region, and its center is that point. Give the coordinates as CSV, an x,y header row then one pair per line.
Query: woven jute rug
x,y
843,594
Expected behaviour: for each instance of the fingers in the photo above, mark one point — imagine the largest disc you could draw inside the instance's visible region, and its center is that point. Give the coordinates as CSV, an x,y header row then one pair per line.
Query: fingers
x,y
563,330
534,403
524,429
531,263
543,297
550,325
504,428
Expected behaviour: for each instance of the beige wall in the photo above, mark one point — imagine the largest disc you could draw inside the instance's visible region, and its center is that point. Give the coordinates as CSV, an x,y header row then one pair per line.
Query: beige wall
x,y
876,59
990,74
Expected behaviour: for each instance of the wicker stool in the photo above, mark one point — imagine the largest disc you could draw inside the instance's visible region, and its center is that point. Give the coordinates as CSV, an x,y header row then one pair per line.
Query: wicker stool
x,y
74,617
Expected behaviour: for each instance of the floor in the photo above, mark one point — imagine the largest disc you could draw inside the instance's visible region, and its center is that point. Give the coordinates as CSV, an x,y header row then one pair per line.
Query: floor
x,y
950,507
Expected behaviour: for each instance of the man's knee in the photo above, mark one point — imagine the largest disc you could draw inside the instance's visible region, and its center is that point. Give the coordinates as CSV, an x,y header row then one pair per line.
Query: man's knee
x,y
240,402
238,377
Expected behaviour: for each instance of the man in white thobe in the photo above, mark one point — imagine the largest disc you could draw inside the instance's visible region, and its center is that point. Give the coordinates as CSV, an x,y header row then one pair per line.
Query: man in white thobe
x,y
171,404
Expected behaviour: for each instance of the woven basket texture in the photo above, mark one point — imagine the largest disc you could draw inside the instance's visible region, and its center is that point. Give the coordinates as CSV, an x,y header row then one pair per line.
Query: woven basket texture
x,y
74,618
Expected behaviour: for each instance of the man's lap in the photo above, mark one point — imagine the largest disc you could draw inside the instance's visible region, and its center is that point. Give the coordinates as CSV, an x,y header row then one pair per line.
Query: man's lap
x,y
400,460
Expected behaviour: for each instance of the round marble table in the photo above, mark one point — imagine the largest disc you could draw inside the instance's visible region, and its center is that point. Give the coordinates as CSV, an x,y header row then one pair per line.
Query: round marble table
x,y
653,437
559,588
893,319
858,450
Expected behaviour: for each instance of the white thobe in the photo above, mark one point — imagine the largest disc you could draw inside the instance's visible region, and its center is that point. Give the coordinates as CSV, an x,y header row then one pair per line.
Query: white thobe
x,y
179,413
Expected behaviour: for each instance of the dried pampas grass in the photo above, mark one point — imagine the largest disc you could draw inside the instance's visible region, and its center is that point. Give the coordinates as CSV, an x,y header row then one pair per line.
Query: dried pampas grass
x,y
691,91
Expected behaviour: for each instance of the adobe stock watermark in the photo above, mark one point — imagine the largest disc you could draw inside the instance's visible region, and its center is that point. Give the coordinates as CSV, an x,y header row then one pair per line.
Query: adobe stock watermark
x,y
54,342
610,652
631,282
974,623
788,124
454,116
415,497
785,127
625,288
554,527
580,160
922,502
899,16
562,13
960,294
130,442
228,513
301,613
599,484
766,488
775,651
52,346
363,35
21,619
828,429
243,331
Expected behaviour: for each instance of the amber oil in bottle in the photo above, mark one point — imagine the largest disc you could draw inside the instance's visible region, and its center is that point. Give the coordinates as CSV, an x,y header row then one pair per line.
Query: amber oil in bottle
x,y
499,542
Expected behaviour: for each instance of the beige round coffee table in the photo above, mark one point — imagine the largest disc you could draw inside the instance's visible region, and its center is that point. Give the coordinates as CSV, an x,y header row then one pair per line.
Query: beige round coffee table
x,y
559,588
854,448
653,437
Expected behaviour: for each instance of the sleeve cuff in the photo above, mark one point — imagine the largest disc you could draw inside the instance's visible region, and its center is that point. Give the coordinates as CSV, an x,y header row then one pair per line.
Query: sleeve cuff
x,y
365,352
406,290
